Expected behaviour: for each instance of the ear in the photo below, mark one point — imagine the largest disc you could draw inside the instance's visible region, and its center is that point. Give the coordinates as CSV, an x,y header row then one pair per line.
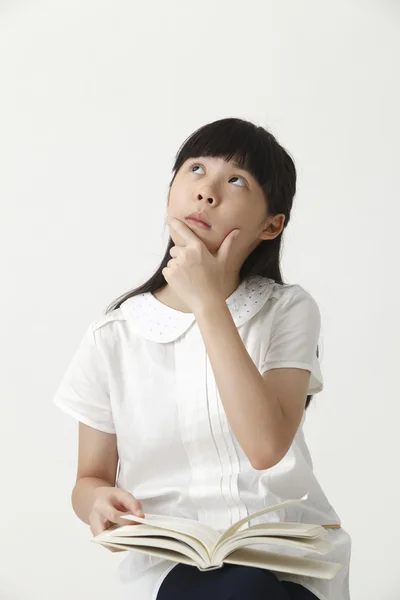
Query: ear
x,y
273,227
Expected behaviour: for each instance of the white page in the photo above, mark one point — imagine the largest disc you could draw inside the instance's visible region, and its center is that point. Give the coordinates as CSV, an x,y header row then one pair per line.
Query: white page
x,y
308,545
206,535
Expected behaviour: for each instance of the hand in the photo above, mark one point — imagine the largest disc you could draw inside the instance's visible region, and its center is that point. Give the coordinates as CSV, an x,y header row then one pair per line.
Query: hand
x,y
108,506
195,274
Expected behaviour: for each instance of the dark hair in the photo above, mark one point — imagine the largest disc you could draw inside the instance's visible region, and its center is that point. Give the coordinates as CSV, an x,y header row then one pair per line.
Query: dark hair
x,y
258,151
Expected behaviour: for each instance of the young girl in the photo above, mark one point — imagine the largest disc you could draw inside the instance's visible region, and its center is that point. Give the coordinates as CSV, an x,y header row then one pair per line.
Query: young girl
x,y
197,382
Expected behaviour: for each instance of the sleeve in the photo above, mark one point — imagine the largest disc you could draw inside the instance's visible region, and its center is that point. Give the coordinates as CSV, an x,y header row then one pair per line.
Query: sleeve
x,y
83,391
294,338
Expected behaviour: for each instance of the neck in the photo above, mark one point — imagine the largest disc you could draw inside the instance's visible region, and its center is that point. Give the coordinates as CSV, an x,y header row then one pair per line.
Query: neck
x,y
167,295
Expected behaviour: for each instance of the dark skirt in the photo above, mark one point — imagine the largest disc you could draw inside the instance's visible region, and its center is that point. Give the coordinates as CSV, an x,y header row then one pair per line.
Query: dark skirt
x,y
230,582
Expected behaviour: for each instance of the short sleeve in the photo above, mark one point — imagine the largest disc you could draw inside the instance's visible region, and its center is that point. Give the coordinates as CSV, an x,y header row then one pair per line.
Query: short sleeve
x,y
83,391
294,338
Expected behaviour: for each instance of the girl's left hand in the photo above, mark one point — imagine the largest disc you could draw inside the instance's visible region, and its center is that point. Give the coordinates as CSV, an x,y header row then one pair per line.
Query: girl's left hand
x,y
196,275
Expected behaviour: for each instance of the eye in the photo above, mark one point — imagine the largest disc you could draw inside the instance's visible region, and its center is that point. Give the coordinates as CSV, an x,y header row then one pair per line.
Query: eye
x,y
234,177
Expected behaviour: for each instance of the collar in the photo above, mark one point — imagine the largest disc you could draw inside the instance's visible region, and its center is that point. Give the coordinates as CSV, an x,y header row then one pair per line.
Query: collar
x,y
158,322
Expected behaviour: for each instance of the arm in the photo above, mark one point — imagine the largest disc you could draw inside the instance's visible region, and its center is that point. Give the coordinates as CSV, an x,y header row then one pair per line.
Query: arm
x,y
263,424
82,496
97,466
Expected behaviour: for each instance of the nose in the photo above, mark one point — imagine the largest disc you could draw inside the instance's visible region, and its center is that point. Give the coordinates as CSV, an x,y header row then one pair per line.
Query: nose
x,y
200,197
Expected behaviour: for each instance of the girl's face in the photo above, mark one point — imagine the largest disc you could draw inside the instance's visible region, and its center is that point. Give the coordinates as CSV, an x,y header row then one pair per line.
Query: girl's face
x,y
230,197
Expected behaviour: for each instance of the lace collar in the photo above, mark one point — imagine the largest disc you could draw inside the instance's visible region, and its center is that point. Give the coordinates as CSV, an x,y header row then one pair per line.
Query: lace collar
x,y
160,323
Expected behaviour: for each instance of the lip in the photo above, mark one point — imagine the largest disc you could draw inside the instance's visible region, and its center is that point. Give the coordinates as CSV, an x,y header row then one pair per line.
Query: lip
x,y
199,218
197,223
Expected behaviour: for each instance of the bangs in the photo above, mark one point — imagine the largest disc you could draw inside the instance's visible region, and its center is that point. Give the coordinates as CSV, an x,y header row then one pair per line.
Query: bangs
x,y
241,142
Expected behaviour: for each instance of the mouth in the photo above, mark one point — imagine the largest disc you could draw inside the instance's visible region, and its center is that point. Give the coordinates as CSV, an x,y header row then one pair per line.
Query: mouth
x,y
199,218
197,223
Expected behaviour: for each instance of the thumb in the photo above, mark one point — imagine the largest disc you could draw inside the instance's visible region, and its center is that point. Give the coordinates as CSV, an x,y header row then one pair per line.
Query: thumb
x,y
225,248
233,234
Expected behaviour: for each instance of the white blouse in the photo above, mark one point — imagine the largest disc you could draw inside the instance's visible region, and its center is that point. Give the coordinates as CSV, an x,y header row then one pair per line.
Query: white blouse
x,y
143,373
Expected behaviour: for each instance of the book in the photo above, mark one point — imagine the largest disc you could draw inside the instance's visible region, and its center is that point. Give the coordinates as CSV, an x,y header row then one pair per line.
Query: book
x,y
188,541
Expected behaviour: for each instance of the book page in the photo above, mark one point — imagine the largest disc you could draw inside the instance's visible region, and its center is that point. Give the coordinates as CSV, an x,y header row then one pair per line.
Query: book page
x,y
284,528
284,563
236,526
201,532
153,544
125,534
306,544
161,552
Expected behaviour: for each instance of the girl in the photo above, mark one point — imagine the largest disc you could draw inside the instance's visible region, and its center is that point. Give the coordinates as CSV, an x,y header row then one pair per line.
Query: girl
x,y
197,382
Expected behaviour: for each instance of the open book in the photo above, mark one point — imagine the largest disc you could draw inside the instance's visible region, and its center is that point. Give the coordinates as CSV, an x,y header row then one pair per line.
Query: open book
x,y
188,541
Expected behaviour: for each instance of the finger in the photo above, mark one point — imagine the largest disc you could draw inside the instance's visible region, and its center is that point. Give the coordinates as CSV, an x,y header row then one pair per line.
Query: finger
x,y
125,503
175,251
128,501
229,247
181,228
98,523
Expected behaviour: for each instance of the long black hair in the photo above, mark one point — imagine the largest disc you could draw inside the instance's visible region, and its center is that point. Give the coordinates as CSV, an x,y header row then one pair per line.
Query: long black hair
x,y
258,151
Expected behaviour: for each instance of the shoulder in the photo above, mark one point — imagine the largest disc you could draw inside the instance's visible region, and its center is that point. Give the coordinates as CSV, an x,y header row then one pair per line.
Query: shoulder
x,y
293,301
287,294
107,320
105,327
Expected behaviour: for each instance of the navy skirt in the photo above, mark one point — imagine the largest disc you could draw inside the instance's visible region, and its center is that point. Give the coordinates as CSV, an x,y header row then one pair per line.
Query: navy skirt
x,y
230,582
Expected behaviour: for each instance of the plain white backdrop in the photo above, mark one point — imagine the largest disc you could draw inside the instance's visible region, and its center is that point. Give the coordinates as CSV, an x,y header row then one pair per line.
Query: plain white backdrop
x,y
95,99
